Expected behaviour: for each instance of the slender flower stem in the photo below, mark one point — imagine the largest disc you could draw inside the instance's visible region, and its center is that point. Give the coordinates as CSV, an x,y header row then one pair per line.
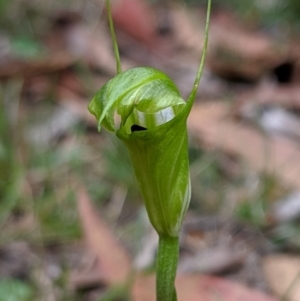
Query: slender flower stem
x,y
166,266
113,36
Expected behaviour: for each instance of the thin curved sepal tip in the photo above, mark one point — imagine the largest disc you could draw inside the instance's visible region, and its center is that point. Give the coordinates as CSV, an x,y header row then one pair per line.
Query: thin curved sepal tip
x,y
193,93
113,36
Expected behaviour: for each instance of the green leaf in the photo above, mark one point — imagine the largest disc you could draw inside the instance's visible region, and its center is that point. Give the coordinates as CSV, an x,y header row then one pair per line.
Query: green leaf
x,y
25,47
15,290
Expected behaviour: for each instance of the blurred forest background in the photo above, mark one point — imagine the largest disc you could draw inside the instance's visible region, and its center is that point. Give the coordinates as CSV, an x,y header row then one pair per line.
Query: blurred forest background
x,y
72,221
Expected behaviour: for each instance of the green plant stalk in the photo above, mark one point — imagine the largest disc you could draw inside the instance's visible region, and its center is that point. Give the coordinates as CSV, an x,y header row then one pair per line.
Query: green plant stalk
x,y
166,266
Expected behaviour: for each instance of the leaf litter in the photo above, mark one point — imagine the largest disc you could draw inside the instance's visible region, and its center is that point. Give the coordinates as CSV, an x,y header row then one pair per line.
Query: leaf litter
x,y
245,178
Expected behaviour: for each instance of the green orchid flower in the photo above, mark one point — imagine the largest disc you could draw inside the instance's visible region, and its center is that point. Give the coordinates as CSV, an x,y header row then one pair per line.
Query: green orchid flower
x,y
152,125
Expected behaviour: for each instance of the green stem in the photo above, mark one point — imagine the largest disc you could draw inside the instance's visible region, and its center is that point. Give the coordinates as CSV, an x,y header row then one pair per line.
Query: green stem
x,y
113,36
166,266
193,93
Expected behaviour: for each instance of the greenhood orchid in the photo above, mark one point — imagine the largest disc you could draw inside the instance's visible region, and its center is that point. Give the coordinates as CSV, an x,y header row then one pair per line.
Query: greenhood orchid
x,y
152,125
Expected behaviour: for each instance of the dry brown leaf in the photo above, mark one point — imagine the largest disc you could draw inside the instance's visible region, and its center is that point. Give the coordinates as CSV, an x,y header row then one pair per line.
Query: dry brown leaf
x,y
71,81
199,288
282,272
76,103
112,259
98,49
136,19
287,96
92,45
237,51
276,156
53,62
185,33
83,280
213,260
